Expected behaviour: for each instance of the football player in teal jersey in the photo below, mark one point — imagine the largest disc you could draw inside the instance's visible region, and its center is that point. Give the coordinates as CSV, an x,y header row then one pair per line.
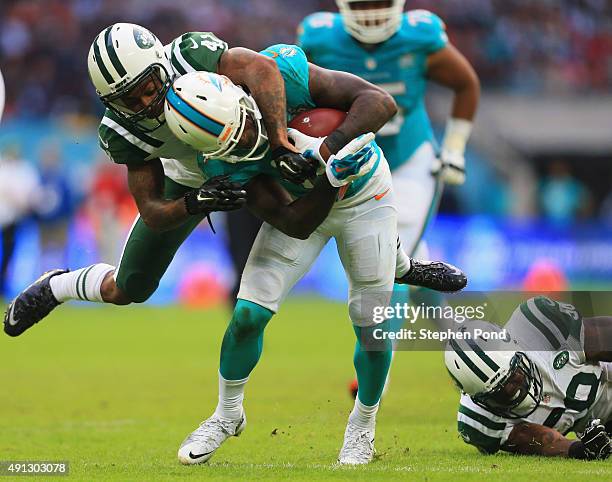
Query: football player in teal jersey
x,y
220,119
400,51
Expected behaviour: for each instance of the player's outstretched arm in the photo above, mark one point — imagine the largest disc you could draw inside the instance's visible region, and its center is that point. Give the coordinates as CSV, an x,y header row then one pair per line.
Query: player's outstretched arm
x,y
146,183
598,339
533,439
368,106
269,201
261,76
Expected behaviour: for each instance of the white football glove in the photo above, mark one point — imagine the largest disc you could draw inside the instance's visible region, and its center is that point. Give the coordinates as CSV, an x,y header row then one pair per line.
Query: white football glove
x,y
306,145
354,160
450,166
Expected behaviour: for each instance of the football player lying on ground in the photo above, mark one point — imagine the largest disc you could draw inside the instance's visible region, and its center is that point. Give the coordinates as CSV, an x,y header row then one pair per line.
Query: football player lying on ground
x,y
552,377
212,114
132,71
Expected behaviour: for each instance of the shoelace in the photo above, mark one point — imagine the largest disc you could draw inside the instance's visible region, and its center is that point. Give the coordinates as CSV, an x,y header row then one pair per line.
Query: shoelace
x,y
207,430
354,445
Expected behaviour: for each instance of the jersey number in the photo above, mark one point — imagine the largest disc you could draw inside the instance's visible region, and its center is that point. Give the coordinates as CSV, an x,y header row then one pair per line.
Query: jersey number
x,y
210,42
570,401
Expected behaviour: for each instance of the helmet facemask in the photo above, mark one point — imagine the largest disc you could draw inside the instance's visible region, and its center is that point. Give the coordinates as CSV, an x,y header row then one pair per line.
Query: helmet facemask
x,y
144,119
371,25
506,400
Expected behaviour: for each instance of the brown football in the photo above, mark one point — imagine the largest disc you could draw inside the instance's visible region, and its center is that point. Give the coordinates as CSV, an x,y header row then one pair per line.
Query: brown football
x,y
318,122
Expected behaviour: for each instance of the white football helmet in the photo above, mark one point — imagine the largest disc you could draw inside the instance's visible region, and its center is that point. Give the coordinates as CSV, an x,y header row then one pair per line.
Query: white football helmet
x,y
210,113
486,369
371,25
123,57
1,95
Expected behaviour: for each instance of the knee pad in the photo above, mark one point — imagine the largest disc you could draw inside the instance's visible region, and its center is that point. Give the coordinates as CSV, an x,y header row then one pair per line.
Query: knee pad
x,y
249,319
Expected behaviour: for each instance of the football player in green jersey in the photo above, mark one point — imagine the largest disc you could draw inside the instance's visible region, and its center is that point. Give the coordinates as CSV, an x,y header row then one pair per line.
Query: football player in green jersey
x,y
550,375
131,71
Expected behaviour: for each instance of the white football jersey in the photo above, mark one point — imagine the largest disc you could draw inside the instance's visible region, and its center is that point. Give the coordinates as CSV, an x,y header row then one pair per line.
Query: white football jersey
x,y
574,391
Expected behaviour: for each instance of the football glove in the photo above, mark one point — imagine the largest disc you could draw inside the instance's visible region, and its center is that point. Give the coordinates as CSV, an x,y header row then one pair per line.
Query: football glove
x,y
450,166
293,166
594,443
216,194
308,146
352,161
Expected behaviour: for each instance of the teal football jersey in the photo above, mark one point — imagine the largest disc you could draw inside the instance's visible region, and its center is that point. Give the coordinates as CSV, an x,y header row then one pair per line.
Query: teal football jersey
x,y
293,66
397,65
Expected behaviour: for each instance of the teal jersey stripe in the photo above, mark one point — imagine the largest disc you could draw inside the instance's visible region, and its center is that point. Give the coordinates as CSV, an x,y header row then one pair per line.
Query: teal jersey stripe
x,y
194,116
552,339
482,419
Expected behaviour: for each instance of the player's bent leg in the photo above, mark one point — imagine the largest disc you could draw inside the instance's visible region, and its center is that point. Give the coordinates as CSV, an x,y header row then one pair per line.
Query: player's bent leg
x,y
275,264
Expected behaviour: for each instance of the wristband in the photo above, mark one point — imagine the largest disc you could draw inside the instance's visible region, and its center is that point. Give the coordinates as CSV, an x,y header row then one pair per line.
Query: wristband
x,y
336,141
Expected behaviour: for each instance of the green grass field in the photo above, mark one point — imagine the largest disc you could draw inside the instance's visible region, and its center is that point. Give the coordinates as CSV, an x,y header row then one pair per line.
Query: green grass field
x,y
115,390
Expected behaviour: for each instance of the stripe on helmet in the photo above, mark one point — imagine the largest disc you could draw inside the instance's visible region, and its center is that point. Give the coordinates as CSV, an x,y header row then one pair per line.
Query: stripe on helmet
x,y
98,58
193,115
483,356
470,364
112,54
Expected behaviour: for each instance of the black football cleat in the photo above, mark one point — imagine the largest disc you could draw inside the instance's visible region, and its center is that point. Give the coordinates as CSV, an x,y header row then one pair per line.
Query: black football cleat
x,y
31,305
435,275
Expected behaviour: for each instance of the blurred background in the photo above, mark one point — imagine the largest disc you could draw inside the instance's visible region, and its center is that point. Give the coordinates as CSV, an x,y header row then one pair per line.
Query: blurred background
x,y
536,207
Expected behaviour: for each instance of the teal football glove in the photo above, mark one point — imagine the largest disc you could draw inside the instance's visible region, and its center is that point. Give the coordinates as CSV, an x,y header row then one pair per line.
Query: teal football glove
x,y
352,161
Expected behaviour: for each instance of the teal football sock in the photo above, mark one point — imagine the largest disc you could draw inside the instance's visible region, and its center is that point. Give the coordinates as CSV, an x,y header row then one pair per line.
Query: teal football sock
x,y
371,365
243,341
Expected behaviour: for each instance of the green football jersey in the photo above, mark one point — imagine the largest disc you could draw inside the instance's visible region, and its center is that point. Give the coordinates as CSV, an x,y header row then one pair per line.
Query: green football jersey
x,y
124,144
552,335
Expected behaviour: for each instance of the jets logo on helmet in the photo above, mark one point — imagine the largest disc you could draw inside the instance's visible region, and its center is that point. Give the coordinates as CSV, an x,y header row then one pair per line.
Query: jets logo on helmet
x,y
496,376
209,113
370,23
125,61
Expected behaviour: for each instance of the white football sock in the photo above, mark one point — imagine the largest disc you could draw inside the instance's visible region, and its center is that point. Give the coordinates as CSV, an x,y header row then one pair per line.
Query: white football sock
x,y
82,284
402,261
363,416
231,395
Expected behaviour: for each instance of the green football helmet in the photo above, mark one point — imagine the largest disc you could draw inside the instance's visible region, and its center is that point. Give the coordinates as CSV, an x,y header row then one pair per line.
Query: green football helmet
x,y
122,60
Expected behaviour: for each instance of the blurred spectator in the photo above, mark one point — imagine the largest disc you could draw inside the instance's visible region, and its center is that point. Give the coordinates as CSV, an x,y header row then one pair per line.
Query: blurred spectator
x,y
563,198
55,207
109,206
526,45
19,190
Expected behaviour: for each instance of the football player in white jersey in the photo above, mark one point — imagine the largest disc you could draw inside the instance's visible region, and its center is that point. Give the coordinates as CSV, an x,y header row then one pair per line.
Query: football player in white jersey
x,y
550,376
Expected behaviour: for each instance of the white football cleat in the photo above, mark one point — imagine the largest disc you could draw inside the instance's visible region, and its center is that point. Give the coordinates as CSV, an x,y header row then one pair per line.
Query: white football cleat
x,y
202,443
358,447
